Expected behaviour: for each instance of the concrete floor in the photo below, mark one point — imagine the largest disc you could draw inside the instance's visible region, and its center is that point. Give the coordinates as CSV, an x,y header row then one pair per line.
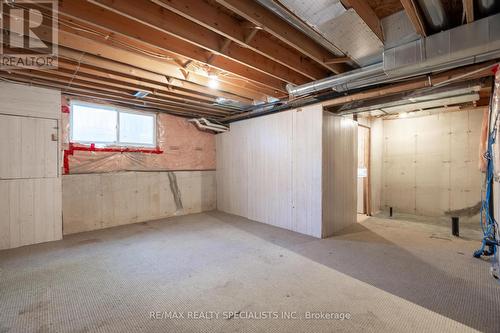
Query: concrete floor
x,y
386,275
469,225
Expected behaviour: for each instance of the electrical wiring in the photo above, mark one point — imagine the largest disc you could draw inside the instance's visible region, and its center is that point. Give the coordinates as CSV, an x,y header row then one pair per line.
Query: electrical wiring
x,y
488,223
78,27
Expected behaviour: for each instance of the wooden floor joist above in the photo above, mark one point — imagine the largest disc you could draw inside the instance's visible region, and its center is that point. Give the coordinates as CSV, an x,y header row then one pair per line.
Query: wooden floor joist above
x,y
175,49
248,35
261,17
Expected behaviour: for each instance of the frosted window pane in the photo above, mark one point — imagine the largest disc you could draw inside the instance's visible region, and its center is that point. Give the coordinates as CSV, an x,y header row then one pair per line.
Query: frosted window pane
x,y
91,124
137,129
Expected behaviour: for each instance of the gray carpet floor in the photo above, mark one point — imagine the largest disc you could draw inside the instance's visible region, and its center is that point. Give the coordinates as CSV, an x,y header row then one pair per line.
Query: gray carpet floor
x,y
224,273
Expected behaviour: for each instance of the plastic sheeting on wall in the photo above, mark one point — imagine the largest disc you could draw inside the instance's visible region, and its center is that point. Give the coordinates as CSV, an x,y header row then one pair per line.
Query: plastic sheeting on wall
x,y
180,146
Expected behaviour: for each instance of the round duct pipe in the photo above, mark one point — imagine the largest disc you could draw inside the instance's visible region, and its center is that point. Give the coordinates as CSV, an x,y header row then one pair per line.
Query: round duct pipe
x,y
339,80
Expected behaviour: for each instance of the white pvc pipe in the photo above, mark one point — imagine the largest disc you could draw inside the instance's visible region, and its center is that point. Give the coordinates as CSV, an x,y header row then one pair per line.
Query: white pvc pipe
x,y
209,125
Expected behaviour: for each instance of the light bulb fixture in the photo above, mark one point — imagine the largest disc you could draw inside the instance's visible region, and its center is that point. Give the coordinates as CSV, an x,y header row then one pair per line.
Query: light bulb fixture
x,y
403,115
141,94
213,82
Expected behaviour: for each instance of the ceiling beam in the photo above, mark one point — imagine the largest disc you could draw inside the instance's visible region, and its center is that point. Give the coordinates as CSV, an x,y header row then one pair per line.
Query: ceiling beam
x,y
73,71
118,26
167,22
162,67
70,81
413,13
134,81
363,9
110,67
468,6
265,19
218,21
107,48
337,60
100,95
56,81
74,40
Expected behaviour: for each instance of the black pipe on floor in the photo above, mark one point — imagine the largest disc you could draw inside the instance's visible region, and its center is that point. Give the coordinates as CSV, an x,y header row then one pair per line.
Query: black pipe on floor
x,y
454,226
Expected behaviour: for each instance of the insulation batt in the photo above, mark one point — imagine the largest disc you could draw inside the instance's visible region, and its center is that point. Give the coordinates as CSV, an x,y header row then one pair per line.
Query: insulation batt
x,y
184,147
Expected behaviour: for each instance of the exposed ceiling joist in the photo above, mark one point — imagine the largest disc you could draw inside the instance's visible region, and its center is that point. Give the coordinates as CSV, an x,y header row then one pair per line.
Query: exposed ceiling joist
x,y
161,43
109,67
166,22
77,76
226,25
413,13
162,67
469,10
261,17
144,85
118,57
100,94
106,49
338,60
80,70
71,82
117,24
367,14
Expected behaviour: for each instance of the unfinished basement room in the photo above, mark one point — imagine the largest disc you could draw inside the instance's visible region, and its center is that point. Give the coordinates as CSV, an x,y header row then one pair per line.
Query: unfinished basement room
x,y
249,166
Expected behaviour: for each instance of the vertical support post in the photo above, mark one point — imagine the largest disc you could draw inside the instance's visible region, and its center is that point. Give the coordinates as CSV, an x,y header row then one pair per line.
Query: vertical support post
x,y
454,226
390,211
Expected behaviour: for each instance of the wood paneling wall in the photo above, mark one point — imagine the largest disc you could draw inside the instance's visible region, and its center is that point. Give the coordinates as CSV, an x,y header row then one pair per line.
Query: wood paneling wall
x,y
30,184
269,169
340,165
30,211
307,153
26,147
97,201
23,100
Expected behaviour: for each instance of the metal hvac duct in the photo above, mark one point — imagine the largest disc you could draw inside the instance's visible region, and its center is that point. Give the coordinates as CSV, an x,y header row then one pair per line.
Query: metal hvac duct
x,y
373,71
294,21
434,13
465,45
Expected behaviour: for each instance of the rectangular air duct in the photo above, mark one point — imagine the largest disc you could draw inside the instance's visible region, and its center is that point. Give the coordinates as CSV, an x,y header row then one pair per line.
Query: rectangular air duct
x,y
466,44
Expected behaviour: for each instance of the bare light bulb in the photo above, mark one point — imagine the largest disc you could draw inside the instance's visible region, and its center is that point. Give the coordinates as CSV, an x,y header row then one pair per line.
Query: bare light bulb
x,y
213,81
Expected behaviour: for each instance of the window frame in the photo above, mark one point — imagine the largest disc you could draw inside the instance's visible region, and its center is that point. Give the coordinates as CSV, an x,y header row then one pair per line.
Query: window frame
x,y
118,111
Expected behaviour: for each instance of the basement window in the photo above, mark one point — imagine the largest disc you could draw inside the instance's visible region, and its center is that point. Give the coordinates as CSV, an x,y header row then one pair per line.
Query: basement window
x,y
108,125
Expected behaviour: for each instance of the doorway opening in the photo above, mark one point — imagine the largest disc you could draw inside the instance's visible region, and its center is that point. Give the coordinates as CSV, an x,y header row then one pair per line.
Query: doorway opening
x,y
363,184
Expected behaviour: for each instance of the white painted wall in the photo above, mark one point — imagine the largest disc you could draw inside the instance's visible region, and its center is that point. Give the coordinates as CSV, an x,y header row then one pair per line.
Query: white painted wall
x,y
269,169
97,201
30,183
430,163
